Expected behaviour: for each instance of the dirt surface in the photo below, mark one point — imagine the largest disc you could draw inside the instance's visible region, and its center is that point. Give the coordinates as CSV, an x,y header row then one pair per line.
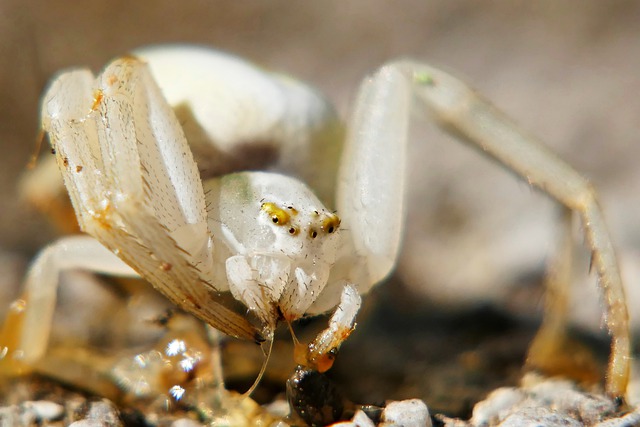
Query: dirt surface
x,y
567,72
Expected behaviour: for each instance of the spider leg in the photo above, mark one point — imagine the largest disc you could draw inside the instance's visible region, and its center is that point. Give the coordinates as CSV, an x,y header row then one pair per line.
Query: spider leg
x,y
552,351
34,310
134,185
466,114
371,184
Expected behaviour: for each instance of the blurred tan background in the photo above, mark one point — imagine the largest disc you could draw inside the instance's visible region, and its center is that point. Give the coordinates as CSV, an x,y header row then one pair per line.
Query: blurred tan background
x,y
567,71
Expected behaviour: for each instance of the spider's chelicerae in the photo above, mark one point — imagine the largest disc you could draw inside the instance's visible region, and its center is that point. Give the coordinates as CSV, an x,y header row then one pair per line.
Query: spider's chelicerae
x,y
266,237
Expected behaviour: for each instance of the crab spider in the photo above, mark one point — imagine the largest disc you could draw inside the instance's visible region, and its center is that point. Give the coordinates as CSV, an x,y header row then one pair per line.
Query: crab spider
x,y
265,237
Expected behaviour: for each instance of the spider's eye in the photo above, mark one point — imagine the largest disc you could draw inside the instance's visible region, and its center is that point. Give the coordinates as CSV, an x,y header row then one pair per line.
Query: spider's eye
x,y
293,231
278,215
330,224
313,233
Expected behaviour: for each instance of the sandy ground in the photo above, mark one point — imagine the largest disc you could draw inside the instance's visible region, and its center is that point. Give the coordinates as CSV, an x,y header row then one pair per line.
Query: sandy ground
x,y
567,72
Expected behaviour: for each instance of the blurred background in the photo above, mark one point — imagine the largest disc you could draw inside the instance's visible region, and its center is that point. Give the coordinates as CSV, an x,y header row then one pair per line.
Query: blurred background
x,y
568,72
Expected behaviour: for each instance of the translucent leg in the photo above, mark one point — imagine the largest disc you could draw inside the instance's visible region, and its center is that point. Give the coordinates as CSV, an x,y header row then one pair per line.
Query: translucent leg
x,y
30,318
371,182
552,351
461,111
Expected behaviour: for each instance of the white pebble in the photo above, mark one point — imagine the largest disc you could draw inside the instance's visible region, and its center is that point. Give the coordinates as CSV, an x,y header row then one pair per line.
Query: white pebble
x,y
630,420
360,419
185,422
496,405
538,416
406,413
87,423
46,410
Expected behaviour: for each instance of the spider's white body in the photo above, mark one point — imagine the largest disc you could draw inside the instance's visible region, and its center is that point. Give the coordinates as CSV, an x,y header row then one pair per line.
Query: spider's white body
x,y
277,251
264,236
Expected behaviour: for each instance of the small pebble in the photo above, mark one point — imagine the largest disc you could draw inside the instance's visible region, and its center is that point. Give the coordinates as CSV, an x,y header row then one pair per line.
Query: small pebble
x,y
360,419
630,420
496,405
565,398
536,417
406,413
185,422
279,408
45,410
100,414
88,423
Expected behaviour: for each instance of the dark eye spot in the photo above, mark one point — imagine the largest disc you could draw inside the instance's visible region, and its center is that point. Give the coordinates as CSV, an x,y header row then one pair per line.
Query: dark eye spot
x,y
278,215
330,224
314,234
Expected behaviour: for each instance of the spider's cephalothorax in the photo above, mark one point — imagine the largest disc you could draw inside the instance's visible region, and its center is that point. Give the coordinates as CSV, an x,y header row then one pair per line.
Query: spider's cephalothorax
x,y
279,242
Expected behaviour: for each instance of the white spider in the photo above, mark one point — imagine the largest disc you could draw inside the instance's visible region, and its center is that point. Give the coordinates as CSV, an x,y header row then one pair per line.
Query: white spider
x,y
266,237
